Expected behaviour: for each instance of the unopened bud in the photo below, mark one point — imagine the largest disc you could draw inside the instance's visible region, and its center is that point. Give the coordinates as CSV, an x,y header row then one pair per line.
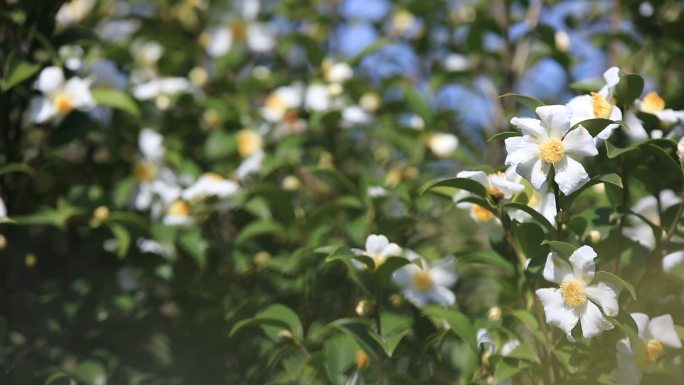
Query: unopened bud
x,y
3,242
593,237
494,313
362,359
261,258
199,76
291,183
30,260
285,334
364,308
396,300
99,216
562,41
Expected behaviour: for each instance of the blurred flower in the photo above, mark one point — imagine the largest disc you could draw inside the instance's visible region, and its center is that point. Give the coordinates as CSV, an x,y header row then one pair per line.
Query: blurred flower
x,y
572,302
178,214
648,207
545,80
261,37
499,186
379,249
59,97
73,12
405,24
443,145
355,115
106,74
281,100
72,55
598,105
680,149
394,59
210,185
318,98
353,38
486,341
3,209
249,142
456,62
376,191
428,283
336,72
116,31
157,185
654,335
653,104
217,40
161,89
249,166
370,10
547,142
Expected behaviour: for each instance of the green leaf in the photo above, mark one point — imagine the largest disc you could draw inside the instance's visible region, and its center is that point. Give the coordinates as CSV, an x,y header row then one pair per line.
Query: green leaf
x,y
613,152
116,99
487,257
275,315
3,330
629,89
257,228
526,352
504,135
526,101
59,378
122,236
91,372
17,73
593,126
504,371
17,167
661,154
458,323
389,342
360,276
563,249
536,215
389,266
418,103
612,178
459,183
339,354
194,244
359,330
612,278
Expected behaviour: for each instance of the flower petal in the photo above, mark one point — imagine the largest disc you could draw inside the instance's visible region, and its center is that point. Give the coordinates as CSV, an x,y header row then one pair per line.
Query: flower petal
x,y
375,244
79,91
531,127
556,269
641,321
570,175
443,272
50,80
556,312
582,261
593,321
662,329
672,260
442,296
582,108
41,110
579,142
605,296
555,118
612,77
478,176
520,149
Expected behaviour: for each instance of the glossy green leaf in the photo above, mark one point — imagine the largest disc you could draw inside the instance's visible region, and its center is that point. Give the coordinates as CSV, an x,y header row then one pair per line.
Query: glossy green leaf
x,y
123,238
536,215
116,99
629,89
457,183
504,135
564,250
275,315
457,321
17,167
17,73
612,278
389,266
91,372
526,101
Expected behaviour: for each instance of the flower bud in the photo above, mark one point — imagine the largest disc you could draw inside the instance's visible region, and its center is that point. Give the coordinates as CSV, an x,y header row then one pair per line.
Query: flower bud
x,y
30,260
362,359
364,308
261,258
99,216
3,242
494,313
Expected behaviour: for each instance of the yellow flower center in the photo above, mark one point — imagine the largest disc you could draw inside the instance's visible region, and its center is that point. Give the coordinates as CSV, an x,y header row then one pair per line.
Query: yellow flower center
x,y
422,281
602,107
651,351
62,103
179,208
144,172
573,293
214,176
481,214
239,30
276,102
652,103
551,150
379,260
249,141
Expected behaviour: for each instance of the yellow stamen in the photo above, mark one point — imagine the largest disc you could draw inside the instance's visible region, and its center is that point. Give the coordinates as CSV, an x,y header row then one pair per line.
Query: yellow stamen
x,y
573,293
652,103
62,103
422,281
239,30
481,214
179,208
602,108
249,141
276,102
144,172
551,150
213,176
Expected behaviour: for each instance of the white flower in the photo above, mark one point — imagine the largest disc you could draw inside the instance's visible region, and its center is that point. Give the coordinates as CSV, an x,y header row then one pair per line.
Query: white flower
x,y
106,74
355,115
485,339
680,149
547,142
442,145
575,300
3,209
217,41
654,335
59,97
260,37
162,87
543,201
249,166
336,72
428,283
376,191
379,248
653,104
598,105
318,98
640,231
210,185
280,101
499,186
73,12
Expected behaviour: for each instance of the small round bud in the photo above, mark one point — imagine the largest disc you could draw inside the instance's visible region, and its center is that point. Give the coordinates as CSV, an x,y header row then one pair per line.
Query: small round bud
x,y
3,242
364,308
199,76
30,260
362,359
261,258
593,237
99,216
494,313
291,183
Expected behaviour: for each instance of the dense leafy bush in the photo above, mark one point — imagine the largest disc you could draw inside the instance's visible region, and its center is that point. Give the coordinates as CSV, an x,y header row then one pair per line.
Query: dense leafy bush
x,y
341,192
